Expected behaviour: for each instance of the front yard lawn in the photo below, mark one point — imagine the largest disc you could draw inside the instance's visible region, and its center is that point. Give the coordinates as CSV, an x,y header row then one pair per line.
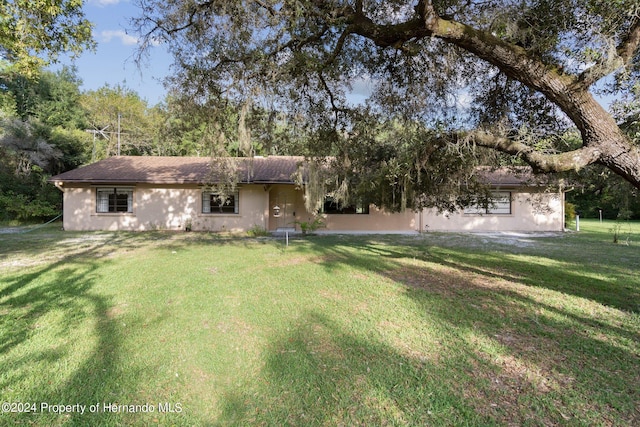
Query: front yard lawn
x,y
202,329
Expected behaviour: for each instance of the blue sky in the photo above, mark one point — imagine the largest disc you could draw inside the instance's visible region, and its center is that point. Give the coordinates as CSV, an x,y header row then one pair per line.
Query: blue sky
x,y
113,60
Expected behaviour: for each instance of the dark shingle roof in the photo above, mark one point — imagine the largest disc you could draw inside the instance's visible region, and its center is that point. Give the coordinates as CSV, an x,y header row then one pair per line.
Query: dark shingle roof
x,y
512,176
207,170
183,170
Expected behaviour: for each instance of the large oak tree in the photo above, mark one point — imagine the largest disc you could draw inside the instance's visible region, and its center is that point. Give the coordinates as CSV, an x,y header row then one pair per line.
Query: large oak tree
x,y
34,33
512,75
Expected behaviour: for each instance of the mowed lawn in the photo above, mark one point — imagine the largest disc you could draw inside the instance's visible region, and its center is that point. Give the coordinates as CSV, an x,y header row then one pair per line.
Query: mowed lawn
x,y
203,329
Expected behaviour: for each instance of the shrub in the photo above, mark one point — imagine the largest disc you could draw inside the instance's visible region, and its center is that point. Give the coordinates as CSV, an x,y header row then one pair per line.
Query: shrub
x,y
257,231
21,207
310,226
569,213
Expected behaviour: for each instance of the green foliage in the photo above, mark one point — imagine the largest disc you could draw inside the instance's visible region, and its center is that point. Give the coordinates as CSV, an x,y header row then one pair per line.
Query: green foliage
x,y
75,144
19,206
35,32
518,72
58,99
26,146
7,104
224,127
41,134
310,226
597,189
569,213
24,193
400,165
621,231
51,97
257,231
626,111
193,129
120,112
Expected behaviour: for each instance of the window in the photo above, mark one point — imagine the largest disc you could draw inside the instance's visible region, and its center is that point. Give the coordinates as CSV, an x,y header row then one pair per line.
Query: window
x,y
214,203
331,206
114,200
498,204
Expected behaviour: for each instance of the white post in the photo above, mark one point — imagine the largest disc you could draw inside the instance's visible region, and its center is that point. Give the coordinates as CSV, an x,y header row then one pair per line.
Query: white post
x,y
286,233
577,222
600,214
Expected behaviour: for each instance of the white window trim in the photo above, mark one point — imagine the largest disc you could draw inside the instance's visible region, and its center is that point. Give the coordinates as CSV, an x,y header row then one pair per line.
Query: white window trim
x,y
206,210
501,204
102,189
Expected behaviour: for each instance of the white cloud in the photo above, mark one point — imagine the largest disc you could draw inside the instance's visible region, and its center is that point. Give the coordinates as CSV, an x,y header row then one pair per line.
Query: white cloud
x,y
125,38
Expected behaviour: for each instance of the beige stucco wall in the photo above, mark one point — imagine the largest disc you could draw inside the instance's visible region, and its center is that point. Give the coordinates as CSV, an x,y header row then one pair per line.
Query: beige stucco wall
x,y
377,220
530,211
167,208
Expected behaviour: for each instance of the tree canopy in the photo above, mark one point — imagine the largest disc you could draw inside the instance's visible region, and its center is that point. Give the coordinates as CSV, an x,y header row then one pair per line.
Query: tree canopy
x,y
46,127
41,133
35,32
516,76
123,120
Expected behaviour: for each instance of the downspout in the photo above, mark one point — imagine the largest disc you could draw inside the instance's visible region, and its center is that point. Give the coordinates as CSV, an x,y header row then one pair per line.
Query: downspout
x,y
268,189
59,186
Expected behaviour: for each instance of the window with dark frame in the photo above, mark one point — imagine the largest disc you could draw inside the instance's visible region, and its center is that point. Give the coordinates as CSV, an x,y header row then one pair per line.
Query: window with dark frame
x,y
498,204
331,206
114,200
214,203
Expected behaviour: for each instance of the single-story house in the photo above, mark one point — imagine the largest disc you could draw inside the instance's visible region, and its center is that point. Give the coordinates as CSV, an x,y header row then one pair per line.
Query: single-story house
x,y
171,193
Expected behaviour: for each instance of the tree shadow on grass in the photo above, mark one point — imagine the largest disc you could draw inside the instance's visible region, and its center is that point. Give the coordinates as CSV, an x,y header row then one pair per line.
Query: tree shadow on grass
x,y
528,359
544,359
321,374
567,279
60,343
558,274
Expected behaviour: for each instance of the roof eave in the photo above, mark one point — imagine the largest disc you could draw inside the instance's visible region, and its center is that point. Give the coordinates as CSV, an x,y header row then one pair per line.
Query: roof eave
x,y
121,181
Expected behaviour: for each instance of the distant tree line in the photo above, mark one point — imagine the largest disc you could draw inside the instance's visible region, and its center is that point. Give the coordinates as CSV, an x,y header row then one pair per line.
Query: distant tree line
x,y
48,126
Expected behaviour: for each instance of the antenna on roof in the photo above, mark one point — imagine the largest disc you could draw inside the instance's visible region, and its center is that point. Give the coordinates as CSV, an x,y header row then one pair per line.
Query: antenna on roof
x,y
95,131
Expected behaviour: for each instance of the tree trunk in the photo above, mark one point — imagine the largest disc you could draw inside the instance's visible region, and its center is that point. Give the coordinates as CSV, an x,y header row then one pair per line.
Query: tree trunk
x,y
603,141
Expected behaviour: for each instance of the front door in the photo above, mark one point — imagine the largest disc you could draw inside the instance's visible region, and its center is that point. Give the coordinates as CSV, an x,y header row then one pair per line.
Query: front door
x,y
282,209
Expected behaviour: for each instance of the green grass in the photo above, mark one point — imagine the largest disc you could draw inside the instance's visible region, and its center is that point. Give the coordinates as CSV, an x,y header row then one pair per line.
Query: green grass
x,y
439,329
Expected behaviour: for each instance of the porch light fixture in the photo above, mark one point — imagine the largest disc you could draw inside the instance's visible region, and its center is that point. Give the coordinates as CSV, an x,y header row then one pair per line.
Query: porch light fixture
x,y
276,211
